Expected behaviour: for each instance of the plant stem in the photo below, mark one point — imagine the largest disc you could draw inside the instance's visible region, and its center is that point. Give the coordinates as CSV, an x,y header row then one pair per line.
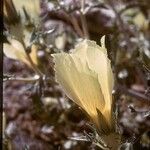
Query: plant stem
x,y
83,19
31,79
132,93
76,26
31,62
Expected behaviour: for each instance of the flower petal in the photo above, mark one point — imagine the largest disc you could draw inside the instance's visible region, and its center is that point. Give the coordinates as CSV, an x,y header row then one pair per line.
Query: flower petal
x,y
79,82
97,60
87,78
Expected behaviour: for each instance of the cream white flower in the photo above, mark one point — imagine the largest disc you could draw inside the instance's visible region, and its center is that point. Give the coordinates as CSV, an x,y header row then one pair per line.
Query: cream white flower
x,y
87,79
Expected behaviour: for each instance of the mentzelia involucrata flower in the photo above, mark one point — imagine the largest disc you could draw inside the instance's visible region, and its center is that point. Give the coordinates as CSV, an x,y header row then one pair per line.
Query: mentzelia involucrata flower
x,y
87,79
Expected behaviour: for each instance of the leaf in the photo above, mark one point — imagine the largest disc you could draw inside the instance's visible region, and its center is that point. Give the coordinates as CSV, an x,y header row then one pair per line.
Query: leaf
x,y
32,7
33,54
15,50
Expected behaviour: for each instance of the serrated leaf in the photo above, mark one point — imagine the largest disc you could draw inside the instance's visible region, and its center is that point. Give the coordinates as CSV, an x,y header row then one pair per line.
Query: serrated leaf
x,y
32,7
15,50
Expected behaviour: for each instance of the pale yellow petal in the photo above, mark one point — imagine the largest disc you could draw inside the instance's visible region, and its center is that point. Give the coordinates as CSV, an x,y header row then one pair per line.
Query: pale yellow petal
x,y
79,83
17,45
97,60
64,76
87,78
103,41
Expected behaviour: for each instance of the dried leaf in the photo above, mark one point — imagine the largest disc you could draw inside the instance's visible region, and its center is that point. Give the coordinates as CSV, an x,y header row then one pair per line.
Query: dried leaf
x,y
32,7
15,50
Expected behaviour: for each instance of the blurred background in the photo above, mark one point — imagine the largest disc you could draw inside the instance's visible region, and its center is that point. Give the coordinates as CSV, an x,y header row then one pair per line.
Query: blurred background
x,y
37,114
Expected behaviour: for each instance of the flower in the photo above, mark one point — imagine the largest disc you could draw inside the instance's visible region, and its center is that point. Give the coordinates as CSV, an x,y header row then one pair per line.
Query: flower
x,y
87,79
